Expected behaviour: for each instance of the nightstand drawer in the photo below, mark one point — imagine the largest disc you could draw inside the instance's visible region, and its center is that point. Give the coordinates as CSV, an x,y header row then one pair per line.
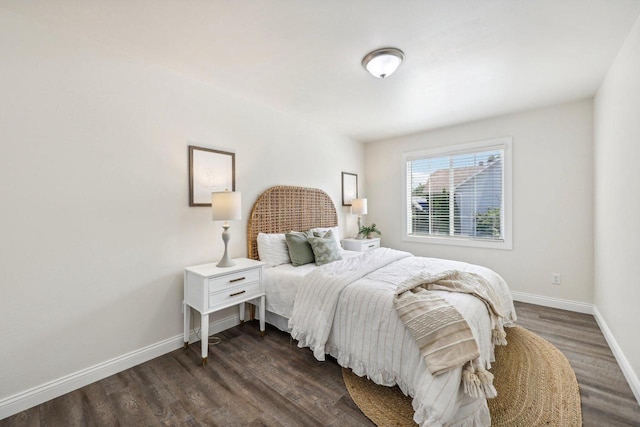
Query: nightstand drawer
x,y
361,245
242,277
227,296
368,245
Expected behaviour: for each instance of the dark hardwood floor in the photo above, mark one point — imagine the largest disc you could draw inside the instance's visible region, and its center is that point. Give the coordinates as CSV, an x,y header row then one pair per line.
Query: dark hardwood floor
x,y
607,399
255,381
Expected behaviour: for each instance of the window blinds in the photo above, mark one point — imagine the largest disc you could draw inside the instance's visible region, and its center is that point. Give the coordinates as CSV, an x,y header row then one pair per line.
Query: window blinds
x,y
458,194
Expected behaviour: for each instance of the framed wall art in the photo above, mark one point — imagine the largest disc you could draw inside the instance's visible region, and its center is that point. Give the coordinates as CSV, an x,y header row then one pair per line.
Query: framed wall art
x,y
209,171
349,188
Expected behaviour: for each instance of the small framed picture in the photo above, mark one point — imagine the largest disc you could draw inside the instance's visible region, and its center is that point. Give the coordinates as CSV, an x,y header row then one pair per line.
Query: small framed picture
x,y
349,188
209,171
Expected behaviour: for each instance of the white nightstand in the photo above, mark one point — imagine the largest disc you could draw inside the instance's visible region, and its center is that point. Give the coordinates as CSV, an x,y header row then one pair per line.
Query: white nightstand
x,y
208,289
360,245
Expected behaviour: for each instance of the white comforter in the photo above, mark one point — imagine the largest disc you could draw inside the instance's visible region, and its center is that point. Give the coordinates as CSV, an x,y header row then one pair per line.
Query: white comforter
x,y
346,309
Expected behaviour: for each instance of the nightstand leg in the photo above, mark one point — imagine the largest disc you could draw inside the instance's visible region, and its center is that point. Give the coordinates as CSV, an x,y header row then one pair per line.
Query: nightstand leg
x,y
186,310
204,334
262,330
242,307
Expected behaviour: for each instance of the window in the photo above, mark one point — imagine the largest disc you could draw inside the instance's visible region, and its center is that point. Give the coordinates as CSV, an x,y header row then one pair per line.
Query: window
x,y
460,195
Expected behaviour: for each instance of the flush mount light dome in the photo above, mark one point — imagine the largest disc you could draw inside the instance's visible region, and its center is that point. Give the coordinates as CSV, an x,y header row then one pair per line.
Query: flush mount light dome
x,y
383,62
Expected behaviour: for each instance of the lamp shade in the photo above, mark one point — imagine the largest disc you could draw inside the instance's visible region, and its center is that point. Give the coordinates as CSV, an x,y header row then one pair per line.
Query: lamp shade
x,y
226,205
359,206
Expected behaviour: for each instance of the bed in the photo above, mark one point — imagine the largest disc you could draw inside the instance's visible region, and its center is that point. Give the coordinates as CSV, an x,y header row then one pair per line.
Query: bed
x,y
361,329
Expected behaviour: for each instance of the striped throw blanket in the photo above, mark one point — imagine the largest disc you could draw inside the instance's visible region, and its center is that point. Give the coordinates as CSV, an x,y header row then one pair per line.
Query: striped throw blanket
x,y
443,336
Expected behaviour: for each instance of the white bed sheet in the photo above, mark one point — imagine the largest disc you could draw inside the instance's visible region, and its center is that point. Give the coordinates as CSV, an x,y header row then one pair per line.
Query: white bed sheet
x,y
281,285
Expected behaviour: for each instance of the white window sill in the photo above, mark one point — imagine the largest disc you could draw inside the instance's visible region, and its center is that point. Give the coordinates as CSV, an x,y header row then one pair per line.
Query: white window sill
x,y
460,241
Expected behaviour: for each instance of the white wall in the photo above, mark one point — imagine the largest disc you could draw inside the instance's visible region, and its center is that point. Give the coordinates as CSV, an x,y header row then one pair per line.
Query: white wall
x,y
552,198
617,202
95,226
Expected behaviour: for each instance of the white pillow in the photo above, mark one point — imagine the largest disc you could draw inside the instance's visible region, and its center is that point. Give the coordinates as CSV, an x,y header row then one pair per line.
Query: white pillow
x,y
334,230
272,249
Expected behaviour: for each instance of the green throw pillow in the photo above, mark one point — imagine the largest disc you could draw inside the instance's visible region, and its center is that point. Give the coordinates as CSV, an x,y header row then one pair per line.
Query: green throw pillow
x,y
324,234
300,250
325,249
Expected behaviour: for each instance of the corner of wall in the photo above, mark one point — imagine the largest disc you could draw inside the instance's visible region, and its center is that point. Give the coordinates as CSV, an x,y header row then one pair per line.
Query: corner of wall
x,y
625,366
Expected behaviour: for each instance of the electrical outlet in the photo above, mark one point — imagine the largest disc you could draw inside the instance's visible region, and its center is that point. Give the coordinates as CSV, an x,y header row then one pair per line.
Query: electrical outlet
x,y
555,278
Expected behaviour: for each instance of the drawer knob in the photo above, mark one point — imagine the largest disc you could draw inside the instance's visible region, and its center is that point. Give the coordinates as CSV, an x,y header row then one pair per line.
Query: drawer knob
x,y
371,246
237,293
237,280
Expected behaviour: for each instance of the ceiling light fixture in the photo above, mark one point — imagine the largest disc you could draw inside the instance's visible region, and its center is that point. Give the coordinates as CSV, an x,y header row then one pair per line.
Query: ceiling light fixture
x,y
383,62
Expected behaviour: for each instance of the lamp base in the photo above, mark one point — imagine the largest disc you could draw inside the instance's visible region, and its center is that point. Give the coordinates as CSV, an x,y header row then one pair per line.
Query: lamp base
x,y
226,261
358,235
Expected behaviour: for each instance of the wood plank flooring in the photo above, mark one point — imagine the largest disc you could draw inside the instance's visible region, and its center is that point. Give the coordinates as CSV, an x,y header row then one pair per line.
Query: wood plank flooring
x,y
255,381
607,399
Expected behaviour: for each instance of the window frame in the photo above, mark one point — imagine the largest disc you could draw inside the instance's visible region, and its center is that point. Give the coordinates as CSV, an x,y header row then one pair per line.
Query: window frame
x,y
503,143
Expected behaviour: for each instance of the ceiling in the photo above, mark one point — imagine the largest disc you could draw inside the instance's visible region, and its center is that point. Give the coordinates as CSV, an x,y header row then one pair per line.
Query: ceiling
x,y
464,59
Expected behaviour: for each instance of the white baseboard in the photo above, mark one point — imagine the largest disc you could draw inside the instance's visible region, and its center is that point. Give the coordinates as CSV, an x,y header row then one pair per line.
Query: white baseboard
x,y
42,393
564,304
625,366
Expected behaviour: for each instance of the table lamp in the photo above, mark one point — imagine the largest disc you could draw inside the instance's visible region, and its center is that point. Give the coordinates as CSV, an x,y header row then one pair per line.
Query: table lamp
x,y
226,206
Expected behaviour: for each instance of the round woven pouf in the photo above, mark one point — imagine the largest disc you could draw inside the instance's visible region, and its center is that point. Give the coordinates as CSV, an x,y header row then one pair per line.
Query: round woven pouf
x,y
536,387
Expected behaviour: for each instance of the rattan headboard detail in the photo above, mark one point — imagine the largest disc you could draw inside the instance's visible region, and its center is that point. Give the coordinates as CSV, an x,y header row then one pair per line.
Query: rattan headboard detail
x,y
283,208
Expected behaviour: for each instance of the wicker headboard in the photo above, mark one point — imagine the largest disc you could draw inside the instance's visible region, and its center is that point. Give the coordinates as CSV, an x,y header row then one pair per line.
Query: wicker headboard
x,y
284,208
